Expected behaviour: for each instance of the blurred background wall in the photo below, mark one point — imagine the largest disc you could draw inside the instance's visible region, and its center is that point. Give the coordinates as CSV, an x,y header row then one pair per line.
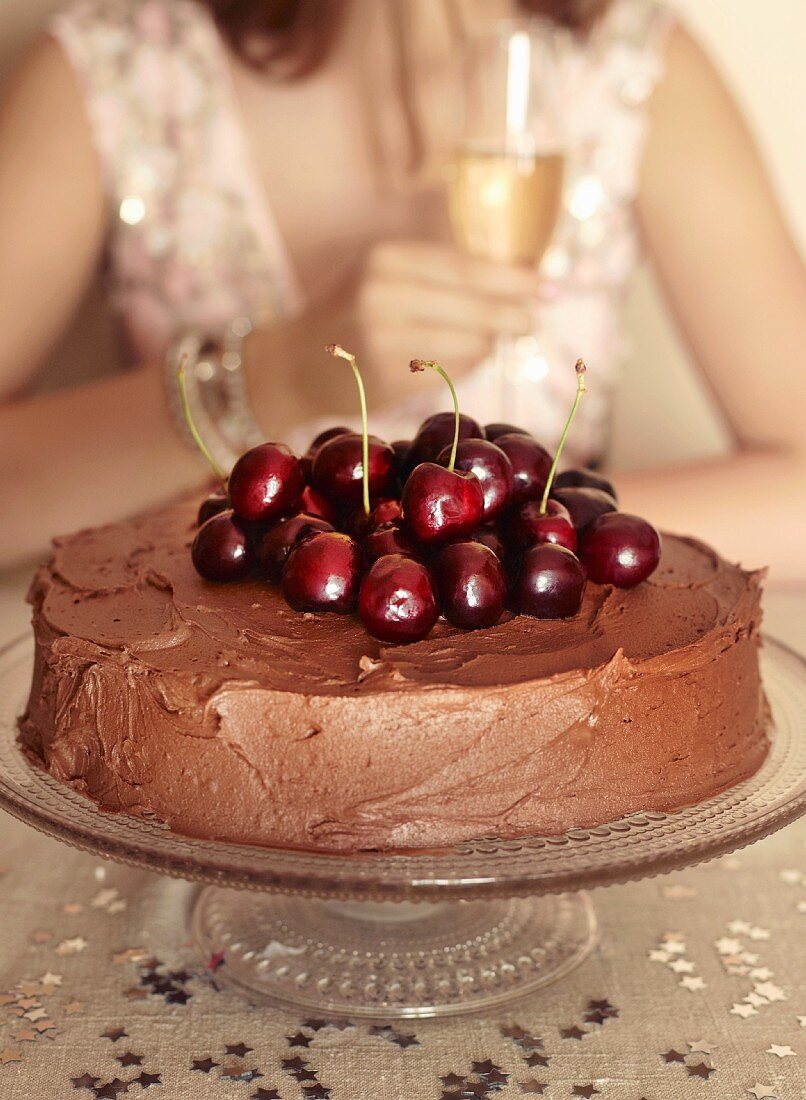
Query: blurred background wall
x,y
663,412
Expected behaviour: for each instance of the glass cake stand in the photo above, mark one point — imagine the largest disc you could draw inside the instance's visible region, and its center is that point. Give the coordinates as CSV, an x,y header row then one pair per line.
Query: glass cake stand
x,y
438,933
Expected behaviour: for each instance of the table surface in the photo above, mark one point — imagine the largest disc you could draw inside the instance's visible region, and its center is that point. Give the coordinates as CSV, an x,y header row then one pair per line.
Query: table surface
x,y
699,977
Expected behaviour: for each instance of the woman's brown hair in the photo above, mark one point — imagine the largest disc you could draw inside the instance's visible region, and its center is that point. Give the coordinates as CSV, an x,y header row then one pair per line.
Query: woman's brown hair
x,y
291,38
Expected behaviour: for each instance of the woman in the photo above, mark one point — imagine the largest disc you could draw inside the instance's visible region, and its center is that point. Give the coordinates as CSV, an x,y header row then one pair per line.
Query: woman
x,y
272,159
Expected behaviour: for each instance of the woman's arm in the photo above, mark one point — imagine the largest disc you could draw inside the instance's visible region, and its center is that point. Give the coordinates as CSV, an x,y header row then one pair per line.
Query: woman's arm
x,y
737,287
93,453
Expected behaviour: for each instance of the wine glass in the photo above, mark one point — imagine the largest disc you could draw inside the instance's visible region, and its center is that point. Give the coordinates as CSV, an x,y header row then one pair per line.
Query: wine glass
x,y
506,180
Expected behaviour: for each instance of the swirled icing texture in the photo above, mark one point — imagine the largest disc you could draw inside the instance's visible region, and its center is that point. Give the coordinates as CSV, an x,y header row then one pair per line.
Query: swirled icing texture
x,y
230,716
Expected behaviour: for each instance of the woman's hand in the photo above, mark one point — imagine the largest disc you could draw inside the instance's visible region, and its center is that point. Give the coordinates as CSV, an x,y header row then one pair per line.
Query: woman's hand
x,y
408,300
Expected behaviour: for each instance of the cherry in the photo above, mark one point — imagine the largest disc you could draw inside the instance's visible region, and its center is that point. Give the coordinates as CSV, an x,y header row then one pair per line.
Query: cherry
x,y
494,431
211,506
316,443
441,504
314,504
266,482
471,584
324,436
530,465
338,469
221,550
529,525
397,602
584,479
390,538
275,546
402,449
488,536
491,466
323,573
620,549
584,505
550,583
437,432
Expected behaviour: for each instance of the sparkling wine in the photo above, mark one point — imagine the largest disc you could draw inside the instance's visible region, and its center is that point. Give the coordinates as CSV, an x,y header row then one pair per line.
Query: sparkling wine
x,y
504,207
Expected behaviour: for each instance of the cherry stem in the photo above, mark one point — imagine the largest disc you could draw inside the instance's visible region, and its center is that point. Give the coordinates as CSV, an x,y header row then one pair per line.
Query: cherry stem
x,y
580,369
420,364
194,431
338,352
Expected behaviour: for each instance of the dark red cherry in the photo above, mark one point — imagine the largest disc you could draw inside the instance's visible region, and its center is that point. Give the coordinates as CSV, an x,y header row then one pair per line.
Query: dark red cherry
x,y
620,549
323,573
491,466
470,583
584,479
584,505
390,538
316,443
530,465
528,526
278,542
211,506
324,436
550,583
440,504
402,449
488,536
437,432
338,470
397,601
359,524
314,504
494,431
221,550
266,482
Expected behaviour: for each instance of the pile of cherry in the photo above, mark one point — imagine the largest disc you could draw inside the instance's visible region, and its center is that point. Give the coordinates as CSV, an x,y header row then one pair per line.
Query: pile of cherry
x,y
468,542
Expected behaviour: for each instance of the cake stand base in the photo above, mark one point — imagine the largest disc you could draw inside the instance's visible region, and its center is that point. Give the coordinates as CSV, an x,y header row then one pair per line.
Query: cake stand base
x,y
392,960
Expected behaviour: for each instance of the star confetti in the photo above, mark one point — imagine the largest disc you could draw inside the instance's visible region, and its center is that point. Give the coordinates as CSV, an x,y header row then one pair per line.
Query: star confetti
x,y
240,1050
533,1087
10,1054
299,1040
130,1059
115,1033
111,1089
584,1090
25,1035
770,991
780,1052
763,1092
238,1071
673,1056
72,947
72,1008
265,1094
85,1081
693,984
203,1065
744,1011
572,1032
700,1070
678,891
146,1080
699,1046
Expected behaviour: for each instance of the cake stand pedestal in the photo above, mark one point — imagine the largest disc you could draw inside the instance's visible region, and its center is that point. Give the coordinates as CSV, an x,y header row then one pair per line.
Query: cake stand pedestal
x,y
416,934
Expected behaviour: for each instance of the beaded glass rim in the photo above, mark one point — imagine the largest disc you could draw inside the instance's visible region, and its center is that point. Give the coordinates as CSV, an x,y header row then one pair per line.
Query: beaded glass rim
x,y
635,846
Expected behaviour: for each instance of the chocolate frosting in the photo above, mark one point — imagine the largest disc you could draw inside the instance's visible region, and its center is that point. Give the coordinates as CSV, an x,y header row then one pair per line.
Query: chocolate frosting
x,y
229,715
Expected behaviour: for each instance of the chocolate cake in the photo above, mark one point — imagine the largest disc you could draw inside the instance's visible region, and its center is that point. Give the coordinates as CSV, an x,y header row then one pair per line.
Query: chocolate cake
x,y
229,715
